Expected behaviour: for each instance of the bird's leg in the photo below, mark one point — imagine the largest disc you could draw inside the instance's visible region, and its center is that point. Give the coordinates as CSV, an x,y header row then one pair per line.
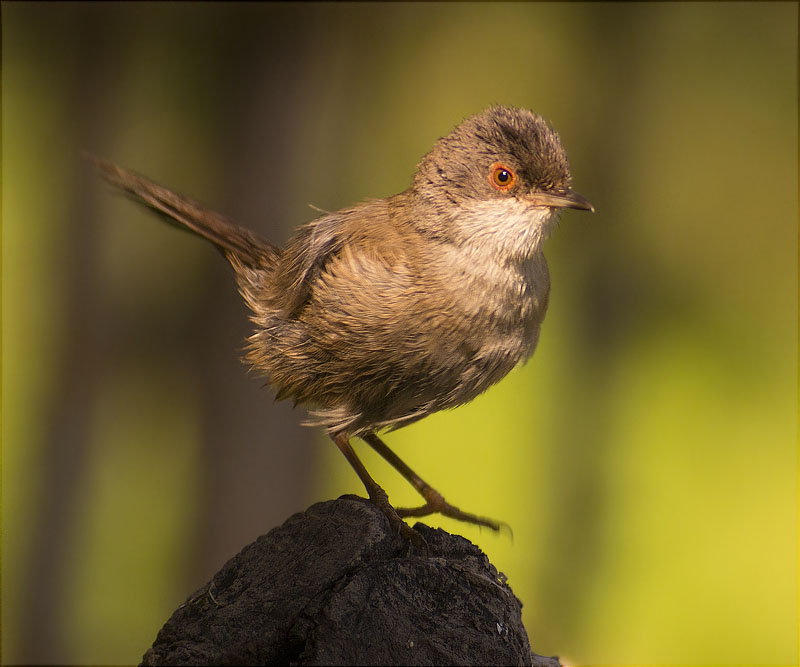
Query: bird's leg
x,y
377,495
434,501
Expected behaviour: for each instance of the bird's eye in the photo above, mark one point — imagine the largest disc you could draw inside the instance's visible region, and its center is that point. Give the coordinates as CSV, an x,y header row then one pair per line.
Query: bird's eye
x,y
501,177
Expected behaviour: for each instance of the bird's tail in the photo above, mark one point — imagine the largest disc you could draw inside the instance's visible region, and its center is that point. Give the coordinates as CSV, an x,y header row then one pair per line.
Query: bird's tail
x,y
241,246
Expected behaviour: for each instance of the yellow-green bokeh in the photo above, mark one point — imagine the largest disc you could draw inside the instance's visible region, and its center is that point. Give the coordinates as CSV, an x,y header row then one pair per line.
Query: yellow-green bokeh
x,y
646,457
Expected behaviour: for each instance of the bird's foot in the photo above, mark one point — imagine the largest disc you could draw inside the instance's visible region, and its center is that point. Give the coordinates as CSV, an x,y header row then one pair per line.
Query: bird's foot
x,y
381,501
436,504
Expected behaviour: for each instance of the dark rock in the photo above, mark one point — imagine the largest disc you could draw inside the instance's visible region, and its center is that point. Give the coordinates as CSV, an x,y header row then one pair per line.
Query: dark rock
x,y
333,586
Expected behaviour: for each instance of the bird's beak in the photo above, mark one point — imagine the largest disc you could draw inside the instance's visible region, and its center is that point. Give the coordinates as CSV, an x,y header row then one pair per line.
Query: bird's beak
x,y
569,199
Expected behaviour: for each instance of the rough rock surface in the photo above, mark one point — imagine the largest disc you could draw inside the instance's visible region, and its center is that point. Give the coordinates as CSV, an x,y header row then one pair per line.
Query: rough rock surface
x,y
333,585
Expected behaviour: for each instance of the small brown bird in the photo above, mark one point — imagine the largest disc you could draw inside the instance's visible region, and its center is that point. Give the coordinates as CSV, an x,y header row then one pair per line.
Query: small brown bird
x,y
380,314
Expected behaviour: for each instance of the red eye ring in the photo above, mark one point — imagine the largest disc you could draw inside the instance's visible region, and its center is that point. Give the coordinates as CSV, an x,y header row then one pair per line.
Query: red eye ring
x,y
501,177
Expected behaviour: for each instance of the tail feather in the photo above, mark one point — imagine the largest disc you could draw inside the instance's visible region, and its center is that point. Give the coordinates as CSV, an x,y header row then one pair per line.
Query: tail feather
x,y
236,242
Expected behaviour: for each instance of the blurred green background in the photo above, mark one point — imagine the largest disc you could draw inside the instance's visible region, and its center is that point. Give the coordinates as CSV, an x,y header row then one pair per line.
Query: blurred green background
x,y
646,457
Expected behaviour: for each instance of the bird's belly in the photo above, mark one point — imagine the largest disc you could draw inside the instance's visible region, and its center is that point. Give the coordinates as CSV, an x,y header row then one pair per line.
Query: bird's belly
x,y
498,350
493,326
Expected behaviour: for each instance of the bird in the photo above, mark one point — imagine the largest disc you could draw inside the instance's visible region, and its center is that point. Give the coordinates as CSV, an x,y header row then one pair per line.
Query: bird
x,y
379,314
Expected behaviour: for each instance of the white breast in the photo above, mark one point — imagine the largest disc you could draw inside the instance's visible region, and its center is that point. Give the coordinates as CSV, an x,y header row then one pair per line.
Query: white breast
x,y
502,278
